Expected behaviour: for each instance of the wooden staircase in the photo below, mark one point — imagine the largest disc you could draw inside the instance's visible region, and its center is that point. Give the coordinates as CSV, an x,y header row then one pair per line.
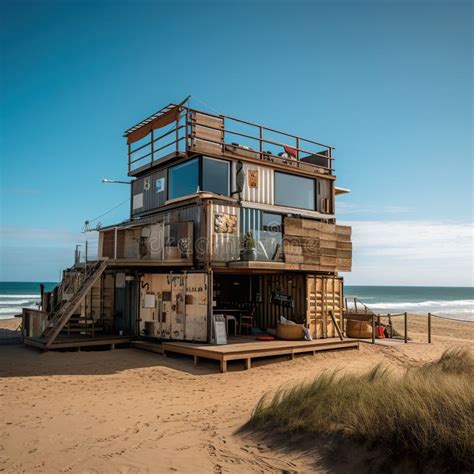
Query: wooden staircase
x,y
78,324
63,314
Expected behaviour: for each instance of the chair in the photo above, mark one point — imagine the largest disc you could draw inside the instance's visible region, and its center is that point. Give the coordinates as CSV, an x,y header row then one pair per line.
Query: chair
x,y
247,320
228,318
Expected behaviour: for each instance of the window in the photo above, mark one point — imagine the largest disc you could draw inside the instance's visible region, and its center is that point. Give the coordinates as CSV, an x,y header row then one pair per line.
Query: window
x,y
183,179
266,230
294,191
271,223
215,176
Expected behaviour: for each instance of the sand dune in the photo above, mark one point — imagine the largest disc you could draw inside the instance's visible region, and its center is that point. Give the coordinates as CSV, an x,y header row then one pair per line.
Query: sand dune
x,y
130,411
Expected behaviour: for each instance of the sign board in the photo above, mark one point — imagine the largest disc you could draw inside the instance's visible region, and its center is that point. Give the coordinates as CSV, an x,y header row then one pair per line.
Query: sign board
x,y
220,335
137,202
253,178
160,185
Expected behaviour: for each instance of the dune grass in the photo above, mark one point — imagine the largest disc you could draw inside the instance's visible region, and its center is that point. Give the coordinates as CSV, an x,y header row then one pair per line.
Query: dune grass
x,y
427,412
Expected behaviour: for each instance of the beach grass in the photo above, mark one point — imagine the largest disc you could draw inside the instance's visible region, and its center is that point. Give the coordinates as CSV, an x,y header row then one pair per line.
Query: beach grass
x,y
427,412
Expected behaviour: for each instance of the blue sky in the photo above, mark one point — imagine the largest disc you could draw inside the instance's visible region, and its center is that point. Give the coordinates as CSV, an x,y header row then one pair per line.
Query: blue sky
x,y
389,84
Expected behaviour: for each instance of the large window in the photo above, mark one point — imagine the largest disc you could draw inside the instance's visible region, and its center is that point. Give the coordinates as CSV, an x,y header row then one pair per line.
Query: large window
x,y
215,176
183,179
294,191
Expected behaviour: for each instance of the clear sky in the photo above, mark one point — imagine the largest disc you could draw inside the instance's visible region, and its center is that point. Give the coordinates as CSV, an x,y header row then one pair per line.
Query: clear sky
x,y
389,84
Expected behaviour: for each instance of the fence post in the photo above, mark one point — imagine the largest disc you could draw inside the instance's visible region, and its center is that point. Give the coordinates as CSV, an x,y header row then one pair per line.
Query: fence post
x,y
373,329
429,328
405,317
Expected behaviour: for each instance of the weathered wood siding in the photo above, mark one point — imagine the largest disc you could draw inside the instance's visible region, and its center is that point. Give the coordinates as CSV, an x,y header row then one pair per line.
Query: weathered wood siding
x,y
317,246
324,297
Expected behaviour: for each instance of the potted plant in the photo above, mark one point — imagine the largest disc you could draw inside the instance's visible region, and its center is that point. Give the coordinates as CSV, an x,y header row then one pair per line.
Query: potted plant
x,y
248,249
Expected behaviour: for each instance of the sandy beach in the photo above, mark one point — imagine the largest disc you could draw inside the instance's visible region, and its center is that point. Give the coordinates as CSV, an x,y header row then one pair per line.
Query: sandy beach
x,y
132,411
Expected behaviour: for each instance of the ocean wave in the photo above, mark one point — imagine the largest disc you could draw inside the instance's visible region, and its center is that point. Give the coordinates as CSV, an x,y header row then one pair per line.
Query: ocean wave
x,y
5,304
458,304
16,309
13,297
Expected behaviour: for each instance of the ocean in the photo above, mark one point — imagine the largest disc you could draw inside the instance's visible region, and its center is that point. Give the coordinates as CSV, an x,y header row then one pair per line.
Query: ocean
x,y
454,302
15,295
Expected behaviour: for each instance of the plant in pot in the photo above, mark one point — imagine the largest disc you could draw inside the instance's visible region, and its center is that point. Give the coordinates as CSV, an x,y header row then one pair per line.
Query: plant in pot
x,y
248,250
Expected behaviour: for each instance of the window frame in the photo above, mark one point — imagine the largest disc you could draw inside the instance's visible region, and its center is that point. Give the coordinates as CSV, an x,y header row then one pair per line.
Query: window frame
x,y
315,191
168,174
201,174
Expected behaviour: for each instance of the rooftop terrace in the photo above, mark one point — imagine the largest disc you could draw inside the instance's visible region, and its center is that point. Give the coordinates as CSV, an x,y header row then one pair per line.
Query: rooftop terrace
x,y
178,131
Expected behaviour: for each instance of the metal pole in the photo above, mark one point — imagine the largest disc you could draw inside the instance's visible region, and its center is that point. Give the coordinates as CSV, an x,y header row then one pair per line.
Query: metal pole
x,y
405,317
373,329
115,243
429,328
85,263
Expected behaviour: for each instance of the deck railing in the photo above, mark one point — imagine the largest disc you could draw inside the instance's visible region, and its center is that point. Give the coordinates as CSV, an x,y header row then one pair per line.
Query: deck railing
x,y
198,131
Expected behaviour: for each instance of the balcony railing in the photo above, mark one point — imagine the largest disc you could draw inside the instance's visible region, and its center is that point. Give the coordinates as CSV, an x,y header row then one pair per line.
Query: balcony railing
x,y
160,242
177,130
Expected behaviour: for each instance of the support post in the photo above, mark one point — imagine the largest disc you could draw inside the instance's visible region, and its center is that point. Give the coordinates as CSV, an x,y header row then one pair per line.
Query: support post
x,y
196,360
115,243
223,366
373,329
405,317
248,363
429,328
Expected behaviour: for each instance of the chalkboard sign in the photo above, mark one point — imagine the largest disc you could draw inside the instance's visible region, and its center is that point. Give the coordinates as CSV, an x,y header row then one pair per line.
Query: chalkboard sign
x,y
281,299
220,335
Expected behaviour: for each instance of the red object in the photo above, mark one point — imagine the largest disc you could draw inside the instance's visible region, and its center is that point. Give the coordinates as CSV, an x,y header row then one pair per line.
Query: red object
x,y
381,332
265,338
291,151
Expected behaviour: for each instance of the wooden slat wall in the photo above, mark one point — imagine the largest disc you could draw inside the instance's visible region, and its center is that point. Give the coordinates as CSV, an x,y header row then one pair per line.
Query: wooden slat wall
x,y
325,294
267,314
324,247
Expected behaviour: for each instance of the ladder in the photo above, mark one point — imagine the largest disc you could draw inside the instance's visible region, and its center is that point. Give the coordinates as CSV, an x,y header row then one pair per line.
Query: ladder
x,y
60,317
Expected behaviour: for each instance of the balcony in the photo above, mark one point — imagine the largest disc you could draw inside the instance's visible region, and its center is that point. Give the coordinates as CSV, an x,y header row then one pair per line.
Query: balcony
x,y
177,131
159,243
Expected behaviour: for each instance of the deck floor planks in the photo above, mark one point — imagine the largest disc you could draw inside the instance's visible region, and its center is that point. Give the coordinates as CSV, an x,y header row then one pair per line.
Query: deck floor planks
x,y
247,351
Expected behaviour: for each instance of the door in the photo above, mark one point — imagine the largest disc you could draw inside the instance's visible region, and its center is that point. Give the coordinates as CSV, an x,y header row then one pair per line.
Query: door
x,y
324,298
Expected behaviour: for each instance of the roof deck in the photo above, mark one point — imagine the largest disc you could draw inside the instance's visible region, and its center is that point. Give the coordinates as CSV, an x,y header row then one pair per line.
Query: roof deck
x,y
179,131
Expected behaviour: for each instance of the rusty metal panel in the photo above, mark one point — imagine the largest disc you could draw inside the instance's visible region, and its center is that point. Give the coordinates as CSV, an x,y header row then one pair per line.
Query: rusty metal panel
x,y
258,184
224,232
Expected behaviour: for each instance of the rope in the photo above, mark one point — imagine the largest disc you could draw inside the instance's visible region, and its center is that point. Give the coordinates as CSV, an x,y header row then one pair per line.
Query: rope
x,y
205,104
109,211
452,319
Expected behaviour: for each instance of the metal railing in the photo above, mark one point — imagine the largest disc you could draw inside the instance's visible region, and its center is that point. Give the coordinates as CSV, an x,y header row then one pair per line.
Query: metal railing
x,y
263,143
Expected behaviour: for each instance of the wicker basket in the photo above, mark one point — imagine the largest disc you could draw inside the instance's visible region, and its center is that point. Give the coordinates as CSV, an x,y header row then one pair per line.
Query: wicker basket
x,y
290,332
358,329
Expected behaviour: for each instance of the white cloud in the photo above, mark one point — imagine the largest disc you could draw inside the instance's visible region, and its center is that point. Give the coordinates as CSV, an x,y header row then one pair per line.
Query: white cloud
x,y
412,253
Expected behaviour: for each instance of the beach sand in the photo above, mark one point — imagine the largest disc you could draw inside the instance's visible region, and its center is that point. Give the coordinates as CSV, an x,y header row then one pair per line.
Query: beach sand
x,y
131,411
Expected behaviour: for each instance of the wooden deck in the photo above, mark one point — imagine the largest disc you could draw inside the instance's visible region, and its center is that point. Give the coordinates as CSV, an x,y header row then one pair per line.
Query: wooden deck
x,y
77,342
242,349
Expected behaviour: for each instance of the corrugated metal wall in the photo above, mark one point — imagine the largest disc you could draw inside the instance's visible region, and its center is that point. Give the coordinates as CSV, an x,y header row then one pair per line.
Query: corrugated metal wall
x,y
151,199
225,246
294,285
250,219
263,192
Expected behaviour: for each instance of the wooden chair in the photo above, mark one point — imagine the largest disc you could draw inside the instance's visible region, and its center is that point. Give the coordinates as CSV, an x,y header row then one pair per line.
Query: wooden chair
x,y
247,320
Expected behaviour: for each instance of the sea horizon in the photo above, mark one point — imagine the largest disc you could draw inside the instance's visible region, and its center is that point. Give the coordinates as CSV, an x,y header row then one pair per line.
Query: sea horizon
x,y
456,302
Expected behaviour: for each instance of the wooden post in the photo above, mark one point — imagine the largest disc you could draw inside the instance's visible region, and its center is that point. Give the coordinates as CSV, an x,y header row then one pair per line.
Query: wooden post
x,y
405,317
196,360
429,328
248,363
373,329
223,366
